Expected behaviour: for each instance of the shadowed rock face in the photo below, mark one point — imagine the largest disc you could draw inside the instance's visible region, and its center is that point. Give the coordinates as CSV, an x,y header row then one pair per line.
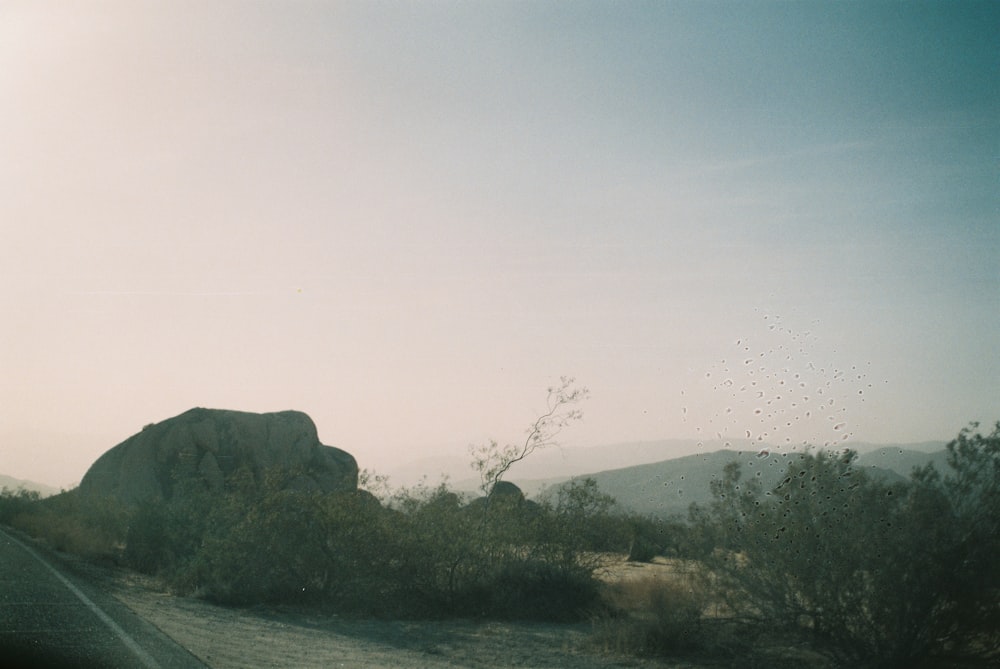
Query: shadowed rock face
x,y
210,444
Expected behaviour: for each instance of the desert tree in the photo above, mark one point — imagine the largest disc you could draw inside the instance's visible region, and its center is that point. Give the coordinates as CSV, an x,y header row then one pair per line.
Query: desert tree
x,y
492,461
500,551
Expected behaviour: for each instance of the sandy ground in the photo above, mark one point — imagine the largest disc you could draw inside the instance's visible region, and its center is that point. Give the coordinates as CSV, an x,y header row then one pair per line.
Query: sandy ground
x,y
227,638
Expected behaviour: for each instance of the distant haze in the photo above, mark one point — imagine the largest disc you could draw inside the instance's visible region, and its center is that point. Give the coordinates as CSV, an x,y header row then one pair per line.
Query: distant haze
x,y
766,221
562,463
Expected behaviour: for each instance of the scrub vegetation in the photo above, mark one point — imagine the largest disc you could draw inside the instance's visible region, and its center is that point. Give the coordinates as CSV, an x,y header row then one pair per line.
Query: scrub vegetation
x,y
830,567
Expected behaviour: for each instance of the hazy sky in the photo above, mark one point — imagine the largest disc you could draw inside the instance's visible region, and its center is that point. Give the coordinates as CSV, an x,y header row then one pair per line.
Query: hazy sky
x,y
409,219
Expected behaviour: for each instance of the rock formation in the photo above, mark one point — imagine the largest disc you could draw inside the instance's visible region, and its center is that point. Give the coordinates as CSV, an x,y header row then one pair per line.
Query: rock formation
x,y
210,444
508,497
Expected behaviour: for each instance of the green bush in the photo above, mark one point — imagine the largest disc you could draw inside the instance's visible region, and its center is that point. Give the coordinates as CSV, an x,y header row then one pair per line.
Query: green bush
x,y
870,574
14,503
653,537
93,528
527,589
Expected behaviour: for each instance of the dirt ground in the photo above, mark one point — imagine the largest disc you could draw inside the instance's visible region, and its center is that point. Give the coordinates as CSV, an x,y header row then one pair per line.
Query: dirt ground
x,y
230,638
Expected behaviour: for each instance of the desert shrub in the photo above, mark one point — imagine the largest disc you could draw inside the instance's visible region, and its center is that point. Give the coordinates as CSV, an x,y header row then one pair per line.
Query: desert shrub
x,y
266,541
434,536
868,573
148,543
590,521
165,534
589,518
429,555
700,535
510,558
90,527
955,518
16,502
503,550
162,536
654,616
289,546
532,589
650,537
642,549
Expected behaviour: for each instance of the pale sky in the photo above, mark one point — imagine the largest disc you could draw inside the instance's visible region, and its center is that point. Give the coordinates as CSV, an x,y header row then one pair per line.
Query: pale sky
x,y
410,218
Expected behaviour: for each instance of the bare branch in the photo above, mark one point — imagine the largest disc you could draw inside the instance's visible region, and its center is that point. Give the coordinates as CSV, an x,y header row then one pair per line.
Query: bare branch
x,y
492,462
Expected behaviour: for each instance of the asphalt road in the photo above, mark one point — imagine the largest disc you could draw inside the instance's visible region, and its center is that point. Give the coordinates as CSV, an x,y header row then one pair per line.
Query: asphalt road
x,y
52,618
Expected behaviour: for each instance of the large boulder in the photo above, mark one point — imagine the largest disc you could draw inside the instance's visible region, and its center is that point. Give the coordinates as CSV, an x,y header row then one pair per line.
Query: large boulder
x,y
506,497
209,444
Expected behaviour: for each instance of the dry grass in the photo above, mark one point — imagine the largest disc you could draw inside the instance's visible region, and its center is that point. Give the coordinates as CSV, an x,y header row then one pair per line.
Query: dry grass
x,y
614,568
667,609
66,534
652,609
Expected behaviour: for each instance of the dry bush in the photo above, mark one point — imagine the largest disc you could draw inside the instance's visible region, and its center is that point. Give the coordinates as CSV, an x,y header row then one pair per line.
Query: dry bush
x,y
92,528
63,534
866,573
652,615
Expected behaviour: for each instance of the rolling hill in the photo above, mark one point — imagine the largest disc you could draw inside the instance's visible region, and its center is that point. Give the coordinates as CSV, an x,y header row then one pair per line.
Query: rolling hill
x,y
668,488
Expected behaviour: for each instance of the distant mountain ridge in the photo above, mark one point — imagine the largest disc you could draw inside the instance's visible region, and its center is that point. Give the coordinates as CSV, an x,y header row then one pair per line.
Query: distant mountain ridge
x,y
668,488
13,484
562,463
